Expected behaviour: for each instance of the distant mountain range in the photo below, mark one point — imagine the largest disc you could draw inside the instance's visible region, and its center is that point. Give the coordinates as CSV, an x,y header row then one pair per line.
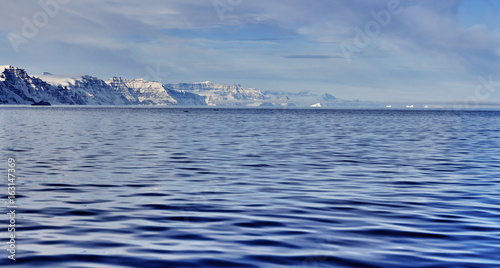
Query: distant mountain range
x,y
18,87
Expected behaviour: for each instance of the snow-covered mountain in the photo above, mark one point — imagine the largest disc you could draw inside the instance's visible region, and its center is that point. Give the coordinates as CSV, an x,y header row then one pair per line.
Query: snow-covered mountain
x,y
140,91
216,94
18,87
187,98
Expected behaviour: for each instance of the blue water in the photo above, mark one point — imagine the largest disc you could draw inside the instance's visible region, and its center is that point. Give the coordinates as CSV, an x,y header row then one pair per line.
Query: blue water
x,y
170,187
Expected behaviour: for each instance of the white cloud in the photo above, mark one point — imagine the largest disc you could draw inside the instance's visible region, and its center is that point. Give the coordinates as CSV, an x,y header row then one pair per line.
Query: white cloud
x,y
425,43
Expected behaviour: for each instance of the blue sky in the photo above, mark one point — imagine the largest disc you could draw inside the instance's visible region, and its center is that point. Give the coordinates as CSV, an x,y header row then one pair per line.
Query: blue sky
x,y
417,50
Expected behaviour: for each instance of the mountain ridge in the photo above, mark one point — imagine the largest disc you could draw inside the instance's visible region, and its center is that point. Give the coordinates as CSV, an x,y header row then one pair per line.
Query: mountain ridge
x,y
18,87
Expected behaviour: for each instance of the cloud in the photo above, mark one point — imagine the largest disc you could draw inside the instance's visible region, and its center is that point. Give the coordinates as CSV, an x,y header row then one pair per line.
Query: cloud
x,y
288,44
433,28
313,57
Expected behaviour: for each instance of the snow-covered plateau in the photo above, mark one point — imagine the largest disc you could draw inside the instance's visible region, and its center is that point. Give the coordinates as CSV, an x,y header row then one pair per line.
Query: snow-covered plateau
x,y
18,87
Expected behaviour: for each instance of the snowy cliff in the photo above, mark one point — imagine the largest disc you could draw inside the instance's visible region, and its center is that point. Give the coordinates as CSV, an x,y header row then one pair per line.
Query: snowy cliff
x,y
216,94
140,91
18,87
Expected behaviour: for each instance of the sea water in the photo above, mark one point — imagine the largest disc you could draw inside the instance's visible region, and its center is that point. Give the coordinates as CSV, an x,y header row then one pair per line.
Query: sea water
x,y
185,187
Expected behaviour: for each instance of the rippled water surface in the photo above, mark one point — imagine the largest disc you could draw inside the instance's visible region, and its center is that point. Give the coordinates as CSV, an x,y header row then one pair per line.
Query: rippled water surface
x,y
170,187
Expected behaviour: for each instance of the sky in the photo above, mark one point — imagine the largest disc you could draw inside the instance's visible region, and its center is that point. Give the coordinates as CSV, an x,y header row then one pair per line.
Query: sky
x,y
371,50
